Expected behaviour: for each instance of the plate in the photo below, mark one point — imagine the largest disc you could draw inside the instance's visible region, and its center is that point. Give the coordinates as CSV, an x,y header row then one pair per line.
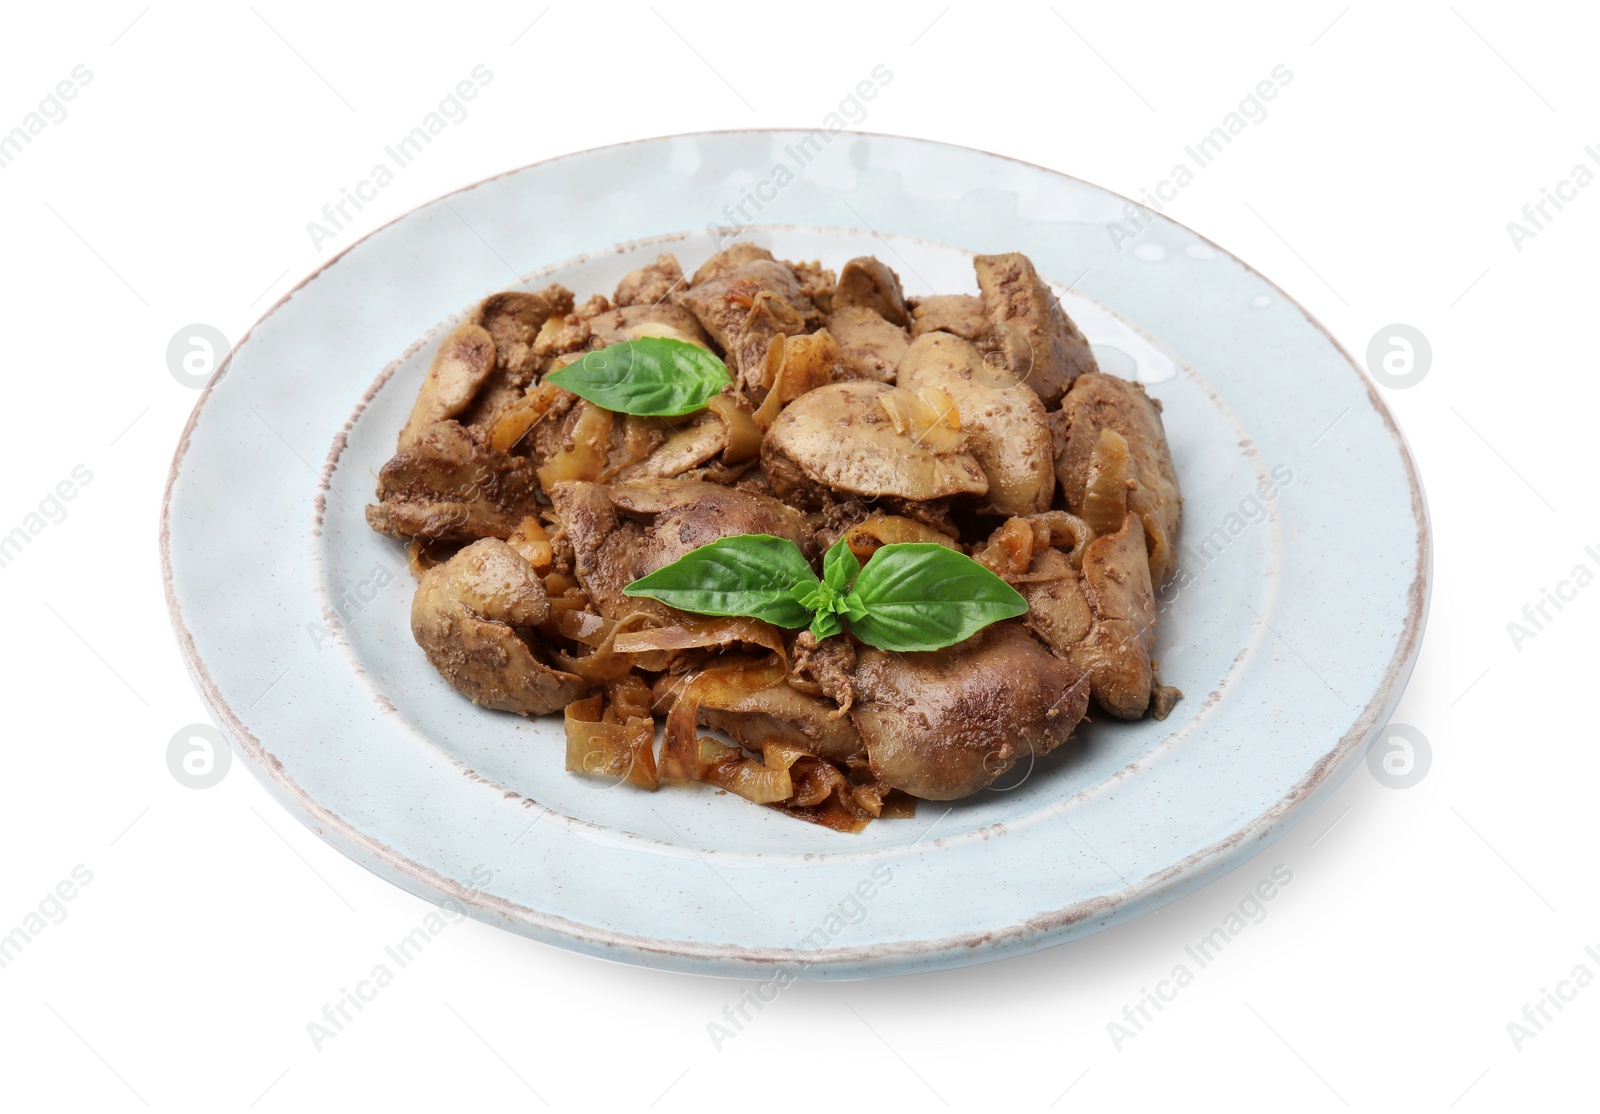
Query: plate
x,y
1291,625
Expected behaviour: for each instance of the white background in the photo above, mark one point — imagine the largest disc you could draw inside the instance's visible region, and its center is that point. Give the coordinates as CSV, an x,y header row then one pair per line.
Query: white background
x,y
1419,921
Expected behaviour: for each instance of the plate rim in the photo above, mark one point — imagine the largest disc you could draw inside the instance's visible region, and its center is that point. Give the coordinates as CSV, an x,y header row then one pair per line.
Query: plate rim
x,y
1194,870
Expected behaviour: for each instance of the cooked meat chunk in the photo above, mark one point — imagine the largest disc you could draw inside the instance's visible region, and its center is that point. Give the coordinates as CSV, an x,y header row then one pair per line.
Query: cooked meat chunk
x,y
1041,345
729,259
513,318
1163,698
605,545
656,320
687,446
460,366
471,616
825,666
870,284
840,437
749,298
1100,402
452,485
816,282
1102,622
593,307
1116,655
687,514
558,428
650,284
961,314
562,335
621,532
1007,429
1058,609
869,346
783,714
946,723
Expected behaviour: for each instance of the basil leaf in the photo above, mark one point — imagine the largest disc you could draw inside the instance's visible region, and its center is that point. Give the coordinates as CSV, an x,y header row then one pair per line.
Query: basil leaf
x,y
652,375
923,596
812,595
852,606
749,574
825,624
839,566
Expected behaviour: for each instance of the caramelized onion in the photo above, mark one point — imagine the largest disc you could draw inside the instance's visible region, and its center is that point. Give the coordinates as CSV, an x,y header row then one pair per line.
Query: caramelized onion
x,y
617,751
680,753
705,632
762,782
513,423
927,415
743,435
794,366
1060,530
586,459
641,437
606,663
582,626
1105,495
1013,550
865,538
629,696
1009,550
824,796
530,540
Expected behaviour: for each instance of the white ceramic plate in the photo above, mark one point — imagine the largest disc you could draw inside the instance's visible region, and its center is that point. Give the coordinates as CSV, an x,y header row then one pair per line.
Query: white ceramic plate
x,y
1292,624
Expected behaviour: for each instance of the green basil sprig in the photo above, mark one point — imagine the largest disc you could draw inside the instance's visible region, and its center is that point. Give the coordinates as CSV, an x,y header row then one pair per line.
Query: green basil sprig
x,y
910,596
655,376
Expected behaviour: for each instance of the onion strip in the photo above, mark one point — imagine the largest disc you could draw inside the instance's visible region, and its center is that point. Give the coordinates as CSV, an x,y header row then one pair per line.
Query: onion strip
x,y
531,540
680,752
795,365
865,538
586,459
743,435
606,663
514,421
1105,494
705,632
618,752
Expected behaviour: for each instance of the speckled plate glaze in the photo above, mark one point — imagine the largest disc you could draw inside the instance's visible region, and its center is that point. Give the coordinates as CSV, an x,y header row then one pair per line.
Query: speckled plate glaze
x,y
1292,624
